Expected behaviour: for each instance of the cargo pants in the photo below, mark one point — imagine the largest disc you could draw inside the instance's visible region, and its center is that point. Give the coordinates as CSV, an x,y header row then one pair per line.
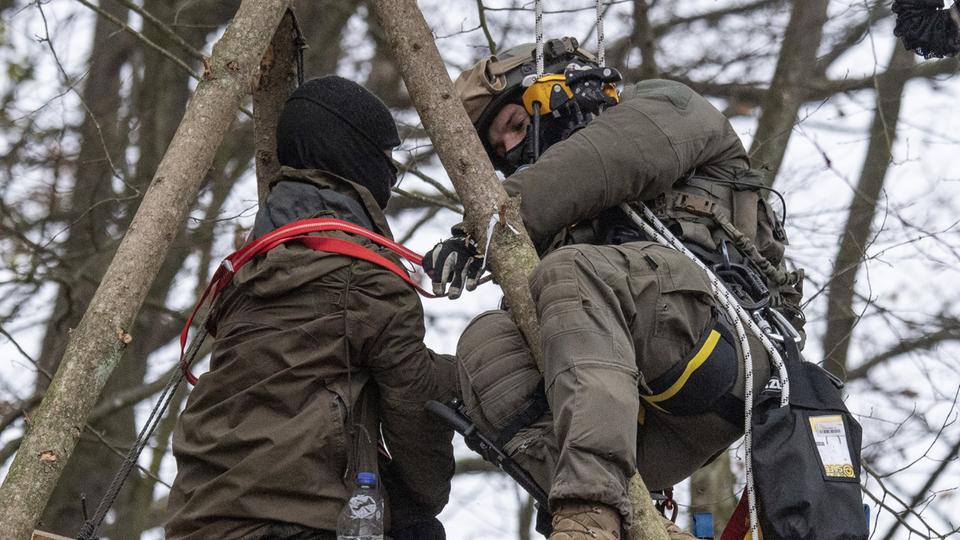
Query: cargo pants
x,y
613,319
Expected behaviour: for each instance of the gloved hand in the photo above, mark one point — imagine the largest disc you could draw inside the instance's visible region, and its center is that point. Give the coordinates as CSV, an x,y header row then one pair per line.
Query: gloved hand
x,y
455,261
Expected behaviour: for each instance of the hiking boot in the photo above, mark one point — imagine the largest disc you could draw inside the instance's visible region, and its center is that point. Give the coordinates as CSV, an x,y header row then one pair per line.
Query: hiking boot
x,y
583,520
674,532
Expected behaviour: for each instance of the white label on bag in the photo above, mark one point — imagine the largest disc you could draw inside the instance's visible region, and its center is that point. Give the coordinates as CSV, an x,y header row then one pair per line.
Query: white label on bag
x,y
831,437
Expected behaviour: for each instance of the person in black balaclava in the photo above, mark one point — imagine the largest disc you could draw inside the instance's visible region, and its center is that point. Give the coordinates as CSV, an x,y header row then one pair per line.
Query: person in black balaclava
x,y
337,126
317,356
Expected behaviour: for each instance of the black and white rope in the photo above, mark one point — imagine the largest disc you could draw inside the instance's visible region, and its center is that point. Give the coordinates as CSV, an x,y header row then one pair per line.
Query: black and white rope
x,y
88,531
538,11
653,227
601,53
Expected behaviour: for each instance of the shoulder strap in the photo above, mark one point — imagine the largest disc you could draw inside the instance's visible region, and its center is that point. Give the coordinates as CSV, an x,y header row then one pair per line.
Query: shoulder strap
x,y
301,230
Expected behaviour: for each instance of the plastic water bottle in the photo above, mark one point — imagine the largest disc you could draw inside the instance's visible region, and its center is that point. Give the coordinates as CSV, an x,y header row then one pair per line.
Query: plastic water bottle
x,y
362,517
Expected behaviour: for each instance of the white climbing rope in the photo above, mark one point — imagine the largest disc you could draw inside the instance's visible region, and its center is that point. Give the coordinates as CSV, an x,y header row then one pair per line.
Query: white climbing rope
x,y
742,321
654,228
538,10
600,45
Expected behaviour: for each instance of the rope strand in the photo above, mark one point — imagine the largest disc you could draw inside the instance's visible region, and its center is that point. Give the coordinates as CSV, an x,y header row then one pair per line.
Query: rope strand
x,y
653,227
538,9
600,45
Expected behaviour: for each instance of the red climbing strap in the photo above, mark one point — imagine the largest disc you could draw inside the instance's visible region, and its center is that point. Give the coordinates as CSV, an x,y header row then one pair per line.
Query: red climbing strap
x,y
300,230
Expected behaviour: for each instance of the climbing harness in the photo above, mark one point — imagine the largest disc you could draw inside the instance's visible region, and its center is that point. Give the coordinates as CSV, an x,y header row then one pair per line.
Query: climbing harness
x,y
651,225
742,321
301,231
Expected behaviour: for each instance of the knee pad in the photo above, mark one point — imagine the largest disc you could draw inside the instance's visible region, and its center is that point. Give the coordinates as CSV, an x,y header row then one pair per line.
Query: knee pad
x,y
498,375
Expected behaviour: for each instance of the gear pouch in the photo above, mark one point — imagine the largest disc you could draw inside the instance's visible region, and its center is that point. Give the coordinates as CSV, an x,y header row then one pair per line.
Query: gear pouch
x,y
806,460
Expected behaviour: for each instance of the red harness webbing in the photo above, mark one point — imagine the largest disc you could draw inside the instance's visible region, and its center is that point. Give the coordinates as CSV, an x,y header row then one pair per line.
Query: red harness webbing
x,y
299,230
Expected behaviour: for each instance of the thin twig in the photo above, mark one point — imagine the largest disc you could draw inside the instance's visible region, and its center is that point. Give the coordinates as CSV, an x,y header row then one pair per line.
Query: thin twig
x,y
481,13
409,168
427,216
122,455
420,197
163,27
29,358
126,28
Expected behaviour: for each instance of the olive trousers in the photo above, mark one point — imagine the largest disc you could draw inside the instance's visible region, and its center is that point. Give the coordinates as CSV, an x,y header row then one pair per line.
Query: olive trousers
x,y
613,319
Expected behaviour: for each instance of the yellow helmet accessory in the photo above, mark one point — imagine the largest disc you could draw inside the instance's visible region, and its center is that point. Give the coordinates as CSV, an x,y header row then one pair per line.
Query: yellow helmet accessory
x,y
551,92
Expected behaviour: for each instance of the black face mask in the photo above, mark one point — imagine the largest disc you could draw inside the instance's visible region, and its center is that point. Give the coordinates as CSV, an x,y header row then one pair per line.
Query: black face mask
x,y
552,130
337,126
521,154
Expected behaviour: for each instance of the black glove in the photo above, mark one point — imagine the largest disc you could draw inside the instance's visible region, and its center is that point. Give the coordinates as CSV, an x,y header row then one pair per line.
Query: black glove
x,y
456,262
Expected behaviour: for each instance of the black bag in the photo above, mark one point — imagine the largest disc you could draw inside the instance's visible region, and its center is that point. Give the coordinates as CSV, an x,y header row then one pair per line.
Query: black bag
x,y
806,460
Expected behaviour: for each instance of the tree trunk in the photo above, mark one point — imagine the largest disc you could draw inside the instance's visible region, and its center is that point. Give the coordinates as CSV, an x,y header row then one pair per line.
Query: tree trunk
x,y
323,23
86,254
788,91
384,79
278,79
512,256
711,490
647,41
841,317
84,248
159,99
96,345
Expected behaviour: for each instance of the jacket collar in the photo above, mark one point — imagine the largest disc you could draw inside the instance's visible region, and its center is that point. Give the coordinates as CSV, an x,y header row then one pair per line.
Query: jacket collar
x,y
327,180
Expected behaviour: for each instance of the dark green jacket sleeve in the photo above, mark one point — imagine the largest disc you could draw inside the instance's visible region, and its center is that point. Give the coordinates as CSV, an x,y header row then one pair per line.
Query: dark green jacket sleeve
x,y
634,151
407,374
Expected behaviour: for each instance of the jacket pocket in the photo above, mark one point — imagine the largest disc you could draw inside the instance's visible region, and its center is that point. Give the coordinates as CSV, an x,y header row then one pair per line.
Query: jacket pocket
x,y
332,450
685,303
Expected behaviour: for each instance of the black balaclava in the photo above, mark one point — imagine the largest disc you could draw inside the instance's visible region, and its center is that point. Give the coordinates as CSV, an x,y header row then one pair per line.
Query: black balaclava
x,y
338,126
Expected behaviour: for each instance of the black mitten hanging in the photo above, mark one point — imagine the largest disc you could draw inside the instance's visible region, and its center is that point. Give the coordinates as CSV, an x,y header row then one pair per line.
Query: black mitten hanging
x,y
927,28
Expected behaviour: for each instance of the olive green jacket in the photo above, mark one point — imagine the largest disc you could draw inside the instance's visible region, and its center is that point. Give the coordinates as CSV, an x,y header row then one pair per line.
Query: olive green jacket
x,y
660,131
307,345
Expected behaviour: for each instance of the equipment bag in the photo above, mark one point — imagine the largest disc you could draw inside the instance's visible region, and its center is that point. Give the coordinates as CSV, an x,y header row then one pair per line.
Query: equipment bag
x,y
806,460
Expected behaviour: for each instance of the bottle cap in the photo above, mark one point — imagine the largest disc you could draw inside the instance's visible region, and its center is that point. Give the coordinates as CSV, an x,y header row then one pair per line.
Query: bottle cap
x,y
367,479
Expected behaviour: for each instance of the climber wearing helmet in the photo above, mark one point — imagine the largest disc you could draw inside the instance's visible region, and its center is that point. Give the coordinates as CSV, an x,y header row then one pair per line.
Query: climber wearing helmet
x,y
641,369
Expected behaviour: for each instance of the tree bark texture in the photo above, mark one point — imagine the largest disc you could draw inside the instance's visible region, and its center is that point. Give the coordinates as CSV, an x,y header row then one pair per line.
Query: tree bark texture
x,y
97,344
711,490
159,99
512,256
789,87
101,144
277,80
86,252
647,521
841,316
